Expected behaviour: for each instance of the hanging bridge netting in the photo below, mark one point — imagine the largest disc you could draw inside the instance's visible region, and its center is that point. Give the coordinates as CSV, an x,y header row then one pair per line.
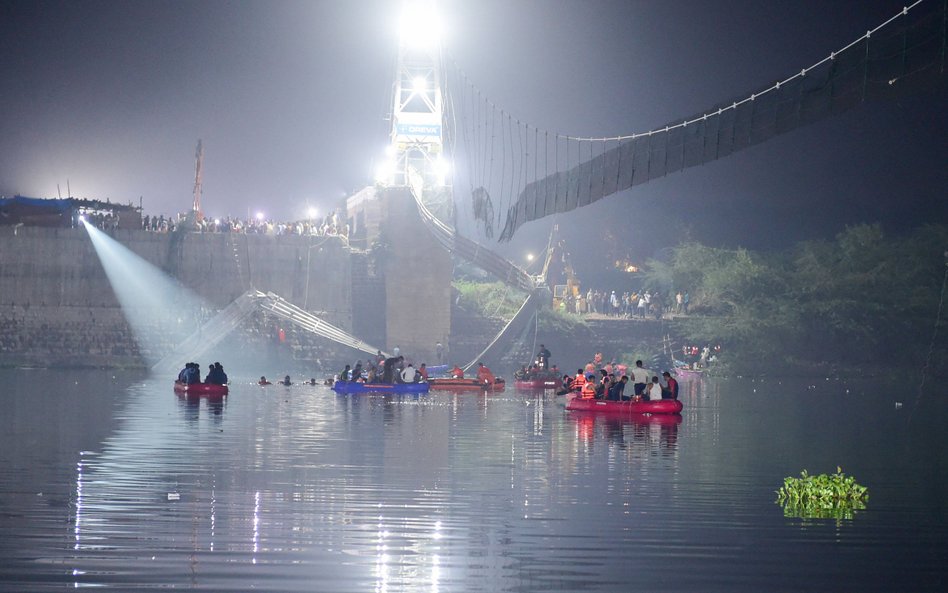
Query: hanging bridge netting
x,y
534,173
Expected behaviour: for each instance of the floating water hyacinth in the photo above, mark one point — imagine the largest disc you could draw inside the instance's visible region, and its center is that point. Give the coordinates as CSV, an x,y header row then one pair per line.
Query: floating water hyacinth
x,y
833,496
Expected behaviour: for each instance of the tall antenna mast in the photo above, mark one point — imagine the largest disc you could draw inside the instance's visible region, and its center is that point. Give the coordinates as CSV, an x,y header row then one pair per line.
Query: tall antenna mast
x,y
414,156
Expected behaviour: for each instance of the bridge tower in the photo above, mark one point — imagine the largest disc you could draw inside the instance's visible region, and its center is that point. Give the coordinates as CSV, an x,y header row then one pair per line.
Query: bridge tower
x,y
415,154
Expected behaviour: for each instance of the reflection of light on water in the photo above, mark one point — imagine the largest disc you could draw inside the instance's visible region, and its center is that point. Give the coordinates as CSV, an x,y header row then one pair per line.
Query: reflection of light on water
x,y
213,516
78,528
411,560
256,524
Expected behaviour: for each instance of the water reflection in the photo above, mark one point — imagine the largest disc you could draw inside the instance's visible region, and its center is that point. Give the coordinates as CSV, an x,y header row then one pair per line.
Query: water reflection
x,y
299,489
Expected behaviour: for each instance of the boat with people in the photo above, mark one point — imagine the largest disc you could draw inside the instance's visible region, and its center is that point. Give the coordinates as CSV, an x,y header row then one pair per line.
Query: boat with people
x,y
454,384
587,404
359,387
198,389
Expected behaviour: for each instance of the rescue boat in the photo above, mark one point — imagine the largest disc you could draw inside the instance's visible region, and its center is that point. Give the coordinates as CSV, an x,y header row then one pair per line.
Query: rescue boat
x,y
662,406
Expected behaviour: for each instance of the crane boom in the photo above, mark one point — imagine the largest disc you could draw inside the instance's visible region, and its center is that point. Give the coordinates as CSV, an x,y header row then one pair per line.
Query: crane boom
x,y
198,174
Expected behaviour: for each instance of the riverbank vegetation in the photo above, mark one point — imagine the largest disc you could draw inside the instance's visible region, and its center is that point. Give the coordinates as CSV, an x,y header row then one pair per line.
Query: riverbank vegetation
x,y
859,301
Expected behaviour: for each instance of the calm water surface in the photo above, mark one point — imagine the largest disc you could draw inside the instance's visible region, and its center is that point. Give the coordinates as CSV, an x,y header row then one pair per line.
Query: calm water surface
x,y
111,481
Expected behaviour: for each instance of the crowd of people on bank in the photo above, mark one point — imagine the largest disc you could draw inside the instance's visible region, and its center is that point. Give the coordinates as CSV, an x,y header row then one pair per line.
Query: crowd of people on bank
x,y
628,304
330,225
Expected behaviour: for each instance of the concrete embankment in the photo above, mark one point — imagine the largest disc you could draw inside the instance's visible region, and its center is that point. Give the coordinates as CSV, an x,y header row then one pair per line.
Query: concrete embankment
x,y
58,308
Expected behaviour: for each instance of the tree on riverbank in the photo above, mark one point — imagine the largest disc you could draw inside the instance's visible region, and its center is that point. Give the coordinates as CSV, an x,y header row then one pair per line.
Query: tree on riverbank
x,y
861,300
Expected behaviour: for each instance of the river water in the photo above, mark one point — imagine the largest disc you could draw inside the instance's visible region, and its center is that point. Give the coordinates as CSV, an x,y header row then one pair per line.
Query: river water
x,y
109,480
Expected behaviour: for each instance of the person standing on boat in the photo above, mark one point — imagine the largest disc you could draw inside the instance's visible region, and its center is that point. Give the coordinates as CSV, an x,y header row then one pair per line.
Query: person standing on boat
x,y
484,376
388,370
423,371
639,378
671,389
357,372
408,374
345,374
457,372
543,357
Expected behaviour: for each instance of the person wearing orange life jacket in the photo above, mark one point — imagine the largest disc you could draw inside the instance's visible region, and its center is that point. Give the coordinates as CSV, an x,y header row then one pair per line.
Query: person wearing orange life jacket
x,y
589,388
484,376
578,381
457,372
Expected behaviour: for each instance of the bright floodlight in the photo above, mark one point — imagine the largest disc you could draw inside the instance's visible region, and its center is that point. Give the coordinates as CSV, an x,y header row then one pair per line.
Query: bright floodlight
x,y
383,174
390,150
529,257
259,215
312,212
420,27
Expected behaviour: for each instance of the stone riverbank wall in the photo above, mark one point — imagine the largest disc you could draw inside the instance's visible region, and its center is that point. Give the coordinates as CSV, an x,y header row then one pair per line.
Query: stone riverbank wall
x,y
57,306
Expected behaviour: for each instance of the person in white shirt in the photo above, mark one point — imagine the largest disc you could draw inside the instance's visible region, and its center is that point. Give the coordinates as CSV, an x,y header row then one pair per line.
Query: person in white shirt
x,y
408,374
639,378
654,390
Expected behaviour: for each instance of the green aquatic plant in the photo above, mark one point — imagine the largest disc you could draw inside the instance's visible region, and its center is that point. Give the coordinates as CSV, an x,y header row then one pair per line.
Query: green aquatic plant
x,y
833,496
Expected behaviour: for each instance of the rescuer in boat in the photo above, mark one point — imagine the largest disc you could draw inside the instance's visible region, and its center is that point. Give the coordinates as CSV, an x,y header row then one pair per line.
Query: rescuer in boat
x,y
388,370
543,357
639,378
409,374
617,389
216,374
654,392
671,391
484,376
190,374
579,381
423,371
346,374
589,387
357,371
457,372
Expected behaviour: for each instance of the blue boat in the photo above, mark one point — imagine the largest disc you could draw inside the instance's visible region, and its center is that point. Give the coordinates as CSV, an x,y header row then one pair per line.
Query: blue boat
x,y
356,387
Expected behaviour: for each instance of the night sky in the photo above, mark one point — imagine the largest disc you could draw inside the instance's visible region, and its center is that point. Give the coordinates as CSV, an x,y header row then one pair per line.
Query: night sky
x,y
290,100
